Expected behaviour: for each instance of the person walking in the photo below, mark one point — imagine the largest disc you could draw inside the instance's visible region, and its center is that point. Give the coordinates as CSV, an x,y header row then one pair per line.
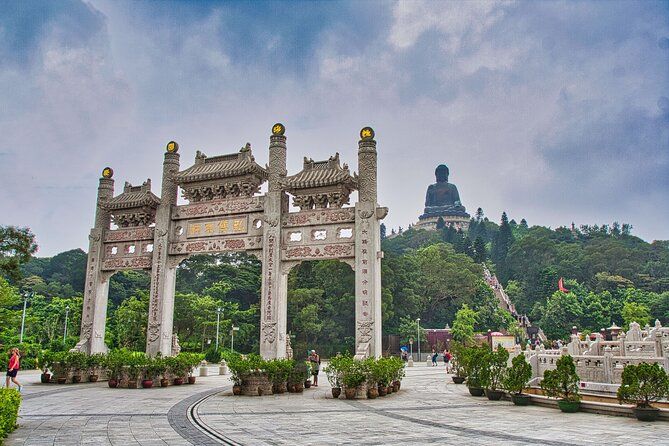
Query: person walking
x,y
315,362
435,355
13,368
447,360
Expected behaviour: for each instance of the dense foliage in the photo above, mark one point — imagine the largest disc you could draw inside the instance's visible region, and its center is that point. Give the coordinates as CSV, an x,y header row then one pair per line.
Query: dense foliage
x,y
562,382
642,384
10,400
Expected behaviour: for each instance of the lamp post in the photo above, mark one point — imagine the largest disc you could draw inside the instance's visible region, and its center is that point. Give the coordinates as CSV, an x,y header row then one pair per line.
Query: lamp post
x,y
232,340
23,319
67,313
418,329
218,323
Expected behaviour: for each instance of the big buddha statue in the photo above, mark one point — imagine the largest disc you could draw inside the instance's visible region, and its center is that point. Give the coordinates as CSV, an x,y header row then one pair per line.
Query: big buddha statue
x,y
442,200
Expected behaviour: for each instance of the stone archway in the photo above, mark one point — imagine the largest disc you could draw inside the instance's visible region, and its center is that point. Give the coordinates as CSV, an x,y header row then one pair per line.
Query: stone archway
x,y
226,213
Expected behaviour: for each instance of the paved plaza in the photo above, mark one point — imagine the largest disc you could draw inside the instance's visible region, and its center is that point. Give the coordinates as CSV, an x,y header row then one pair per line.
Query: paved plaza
x,y
428,409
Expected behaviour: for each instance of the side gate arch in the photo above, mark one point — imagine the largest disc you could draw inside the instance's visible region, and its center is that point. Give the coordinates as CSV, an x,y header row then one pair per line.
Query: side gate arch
x,y
226,213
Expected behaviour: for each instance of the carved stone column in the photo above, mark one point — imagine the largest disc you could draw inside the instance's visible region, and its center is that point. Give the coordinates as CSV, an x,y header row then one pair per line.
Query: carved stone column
x,y
163,272
273,302
367,252
94,315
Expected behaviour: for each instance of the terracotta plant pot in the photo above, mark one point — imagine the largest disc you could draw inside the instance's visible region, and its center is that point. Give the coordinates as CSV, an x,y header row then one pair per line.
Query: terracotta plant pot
x,y
61,380
76,379
307,384
350,393
646,413
372,393
112,383
260,391
279,388
476,391
132,384
147,383
458,379
494,395
45,378
299,388
164,382
397,385
191,380
336,391
569,406
389,390
520,399
178,381
92,378
382,390
236,389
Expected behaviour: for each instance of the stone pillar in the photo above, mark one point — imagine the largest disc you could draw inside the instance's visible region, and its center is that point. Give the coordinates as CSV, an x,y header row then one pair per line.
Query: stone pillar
x,y
163,272
94,314
273,302
367,252
608,365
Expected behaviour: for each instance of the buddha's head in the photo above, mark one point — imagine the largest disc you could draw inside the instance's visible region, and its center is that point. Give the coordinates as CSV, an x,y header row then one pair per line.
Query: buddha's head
x,y
441,172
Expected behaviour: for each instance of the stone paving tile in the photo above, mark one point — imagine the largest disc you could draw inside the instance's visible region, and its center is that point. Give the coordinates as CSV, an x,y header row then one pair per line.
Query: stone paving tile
x,y
429,409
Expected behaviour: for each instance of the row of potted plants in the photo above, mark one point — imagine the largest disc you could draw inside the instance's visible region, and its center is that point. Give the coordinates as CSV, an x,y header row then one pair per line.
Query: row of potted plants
x,y
487,373
119,366
252,375
373,377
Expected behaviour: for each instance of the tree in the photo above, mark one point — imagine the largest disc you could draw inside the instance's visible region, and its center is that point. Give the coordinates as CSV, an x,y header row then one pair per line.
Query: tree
x,y
479,250
563,310
17,245
463,325
382,229
634,312
500,248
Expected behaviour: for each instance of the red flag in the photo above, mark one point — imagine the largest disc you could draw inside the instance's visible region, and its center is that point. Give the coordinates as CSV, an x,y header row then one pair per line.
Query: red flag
x,y
561,286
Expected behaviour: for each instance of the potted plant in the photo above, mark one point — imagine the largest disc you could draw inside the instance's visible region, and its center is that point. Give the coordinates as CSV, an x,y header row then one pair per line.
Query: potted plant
x,y
94,363
239,368
113,366
45,361
562,383
641,385
477,362
152,368
298,376
78,362
376,371
333,374
307,381
191,360
516,379
176,368
396,371
279,370
353,376
459,363
494,373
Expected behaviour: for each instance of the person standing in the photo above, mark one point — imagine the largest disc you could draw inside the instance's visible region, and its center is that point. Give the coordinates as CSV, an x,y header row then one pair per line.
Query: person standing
x,y
435,355
315,362
13,368
447,360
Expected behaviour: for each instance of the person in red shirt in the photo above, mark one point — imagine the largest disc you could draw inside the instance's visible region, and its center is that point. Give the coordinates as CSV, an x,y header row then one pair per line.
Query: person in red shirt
x,y
13,368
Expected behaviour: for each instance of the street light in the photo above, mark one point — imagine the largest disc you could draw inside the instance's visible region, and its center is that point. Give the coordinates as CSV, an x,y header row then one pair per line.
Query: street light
x,y
232,340
67,313
418,329
218,322
23,319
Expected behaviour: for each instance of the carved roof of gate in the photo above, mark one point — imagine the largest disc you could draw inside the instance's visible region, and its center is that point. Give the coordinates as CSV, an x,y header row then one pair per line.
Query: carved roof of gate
x,y
322,174
223,166
134,197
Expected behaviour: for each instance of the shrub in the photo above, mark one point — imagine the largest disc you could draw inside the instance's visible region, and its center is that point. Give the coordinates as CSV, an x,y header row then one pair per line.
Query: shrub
x,y
459,360
495,368
213,355
643,384
10,400
334,370
517,375
475,365
299,373
562,382
354,373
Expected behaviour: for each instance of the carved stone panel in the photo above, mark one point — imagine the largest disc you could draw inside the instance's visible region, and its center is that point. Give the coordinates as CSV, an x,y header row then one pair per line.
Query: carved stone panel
x,y
121,235
220,207
139,262
306,218
219,244
331,251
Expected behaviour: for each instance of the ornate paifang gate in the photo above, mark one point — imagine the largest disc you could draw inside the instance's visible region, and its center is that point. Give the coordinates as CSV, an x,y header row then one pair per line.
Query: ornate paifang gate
x,y
225,213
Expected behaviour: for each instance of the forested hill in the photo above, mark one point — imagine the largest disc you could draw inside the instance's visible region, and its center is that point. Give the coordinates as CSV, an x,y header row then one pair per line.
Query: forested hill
x,y
612,276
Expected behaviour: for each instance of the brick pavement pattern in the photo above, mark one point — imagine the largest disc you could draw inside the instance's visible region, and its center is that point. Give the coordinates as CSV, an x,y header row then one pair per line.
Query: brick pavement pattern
x,y
428,409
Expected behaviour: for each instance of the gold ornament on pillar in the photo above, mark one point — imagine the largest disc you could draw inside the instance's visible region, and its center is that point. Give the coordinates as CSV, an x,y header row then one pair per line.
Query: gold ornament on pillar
x,y
172,147
107,172
278,129
367,133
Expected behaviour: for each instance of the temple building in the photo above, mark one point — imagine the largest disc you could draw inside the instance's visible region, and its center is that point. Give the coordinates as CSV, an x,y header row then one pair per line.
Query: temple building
x,y
442,200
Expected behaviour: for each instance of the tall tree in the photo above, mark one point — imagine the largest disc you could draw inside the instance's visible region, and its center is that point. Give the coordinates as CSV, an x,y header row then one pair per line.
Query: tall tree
x,y
17,245
479,250
500,248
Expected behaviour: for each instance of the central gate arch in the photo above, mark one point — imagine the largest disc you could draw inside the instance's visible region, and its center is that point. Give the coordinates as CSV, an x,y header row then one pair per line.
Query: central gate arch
x,y
225,212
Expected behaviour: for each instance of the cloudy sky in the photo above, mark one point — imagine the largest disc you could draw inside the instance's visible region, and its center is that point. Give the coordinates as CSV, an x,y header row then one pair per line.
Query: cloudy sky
x,y
551,111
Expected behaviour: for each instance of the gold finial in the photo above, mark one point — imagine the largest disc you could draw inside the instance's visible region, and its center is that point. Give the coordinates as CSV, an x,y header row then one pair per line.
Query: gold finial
x,y
107,172
172,147
367,133
278,129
